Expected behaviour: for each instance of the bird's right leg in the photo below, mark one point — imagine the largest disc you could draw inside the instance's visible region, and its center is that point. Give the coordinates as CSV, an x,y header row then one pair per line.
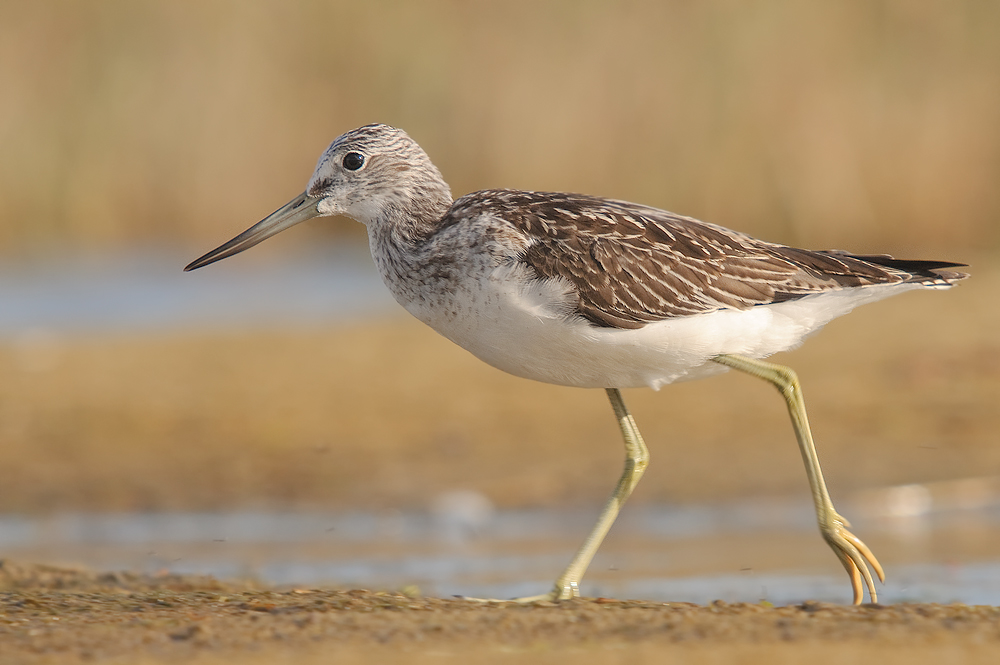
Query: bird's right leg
x,y
853,554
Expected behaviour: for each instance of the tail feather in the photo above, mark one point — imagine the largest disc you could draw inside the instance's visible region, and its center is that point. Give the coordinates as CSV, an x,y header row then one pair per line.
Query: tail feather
x,y
932,274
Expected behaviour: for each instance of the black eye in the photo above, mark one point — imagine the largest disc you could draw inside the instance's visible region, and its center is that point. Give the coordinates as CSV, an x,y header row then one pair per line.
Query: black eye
x,y
353,161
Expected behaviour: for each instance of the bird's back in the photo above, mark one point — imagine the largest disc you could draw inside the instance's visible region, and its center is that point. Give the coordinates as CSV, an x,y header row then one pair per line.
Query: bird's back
x,y
594,292
632,265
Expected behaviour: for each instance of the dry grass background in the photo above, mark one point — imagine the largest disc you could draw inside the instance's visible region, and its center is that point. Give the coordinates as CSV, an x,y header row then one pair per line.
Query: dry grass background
x,y
858,124
866,125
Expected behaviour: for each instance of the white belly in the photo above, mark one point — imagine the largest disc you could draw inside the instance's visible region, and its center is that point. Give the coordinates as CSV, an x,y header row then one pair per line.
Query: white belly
x,y
525,327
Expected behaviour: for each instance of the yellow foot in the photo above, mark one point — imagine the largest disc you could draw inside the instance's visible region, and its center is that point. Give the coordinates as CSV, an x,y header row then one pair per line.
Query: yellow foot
x,y
855,556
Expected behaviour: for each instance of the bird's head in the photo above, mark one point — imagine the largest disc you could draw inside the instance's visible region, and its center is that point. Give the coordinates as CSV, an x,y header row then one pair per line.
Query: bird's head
x,y
375,174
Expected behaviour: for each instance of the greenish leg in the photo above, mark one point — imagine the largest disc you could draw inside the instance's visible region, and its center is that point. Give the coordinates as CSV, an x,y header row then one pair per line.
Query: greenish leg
x,y
636,461
853,554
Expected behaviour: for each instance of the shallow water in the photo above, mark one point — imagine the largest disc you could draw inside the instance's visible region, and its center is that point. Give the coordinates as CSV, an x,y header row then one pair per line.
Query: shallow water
x,y
464,547
147,290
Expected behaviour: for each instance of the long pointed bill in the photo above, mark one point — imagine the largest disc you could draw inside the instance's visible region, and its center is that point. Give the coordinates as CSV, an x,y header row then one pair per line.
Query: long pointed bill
x,y
299,209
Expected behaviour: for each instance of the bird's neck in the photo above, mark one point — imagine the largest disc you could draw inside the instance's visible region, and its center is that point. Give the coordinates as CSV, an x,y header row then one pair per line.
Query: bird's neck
x,y
410,217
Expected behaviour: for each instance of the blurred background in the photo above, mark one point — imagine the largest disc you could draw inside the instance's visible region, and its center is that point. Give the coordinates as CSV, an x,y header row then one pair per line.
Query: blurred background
x,y
864,124
137,135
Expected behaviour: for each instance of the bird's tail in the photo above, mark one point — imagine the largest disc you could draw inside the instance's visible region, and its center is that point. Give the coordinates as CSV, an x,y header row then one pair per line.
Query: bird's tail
x,y
929,274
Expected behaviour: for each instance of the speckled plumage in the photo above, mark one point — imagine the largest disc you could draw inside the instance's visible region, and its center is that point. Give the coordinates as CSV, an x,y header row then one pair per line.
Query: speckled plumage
x,y
590,292
631,264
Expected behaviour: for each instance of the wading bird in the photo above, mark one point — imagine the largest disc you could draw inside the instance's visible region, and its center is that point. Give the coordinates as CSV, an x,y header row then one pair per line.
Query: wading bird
x,y
595,293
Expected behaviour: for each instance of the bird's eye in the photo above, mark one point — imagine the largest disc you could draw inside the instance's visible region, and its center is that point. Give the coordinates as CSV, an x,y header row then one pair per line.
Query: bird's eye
x,y
353,161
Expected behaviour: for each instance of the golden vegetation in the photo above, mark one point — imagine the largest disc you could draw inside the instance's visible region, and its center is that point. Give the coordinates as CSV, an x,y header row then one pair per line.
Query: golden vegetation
x,y
865,125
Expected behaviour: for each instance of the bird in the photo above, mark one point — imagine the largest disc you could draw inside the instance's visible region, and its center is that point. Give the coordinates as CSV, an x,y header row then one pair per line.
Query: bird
x,y
592,292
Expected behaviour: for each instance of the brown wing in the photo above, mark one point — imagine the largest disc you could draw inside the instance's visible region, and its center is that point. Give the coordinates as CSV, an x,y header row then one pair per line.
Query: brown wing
x,y
633,264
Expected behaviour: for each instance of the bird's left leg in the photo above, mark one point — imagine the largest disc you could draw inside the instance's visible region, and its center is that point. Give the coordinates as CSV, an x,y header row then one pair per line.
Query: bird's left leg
x,y
636,461
853,553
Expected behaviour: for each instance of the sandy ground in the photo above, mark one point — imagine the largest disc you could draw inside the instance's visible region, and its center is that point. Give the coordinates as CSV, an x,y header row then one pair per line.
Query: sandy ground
x,y
387,414
51,615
